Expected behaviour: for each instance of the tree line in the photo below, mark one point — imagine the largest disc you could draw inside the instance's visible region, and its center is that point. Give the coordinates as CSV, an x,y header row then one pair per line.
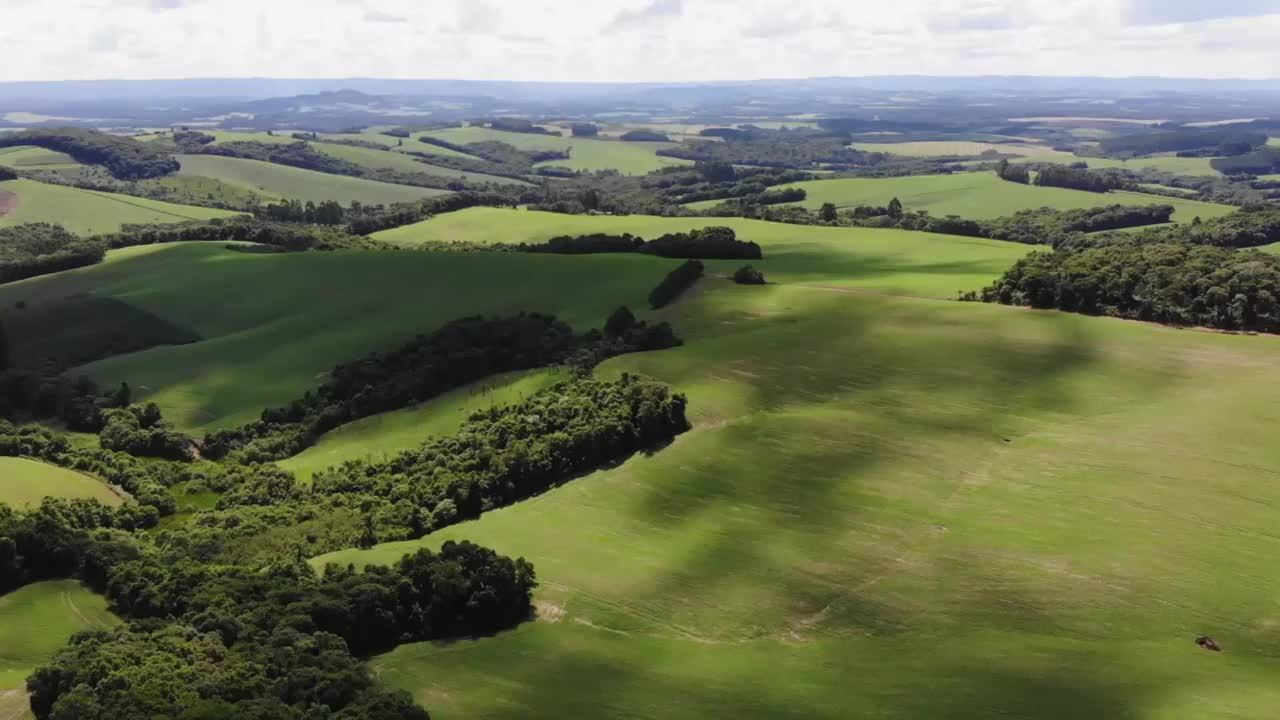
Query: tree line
x,y
705,243
675,283
125,157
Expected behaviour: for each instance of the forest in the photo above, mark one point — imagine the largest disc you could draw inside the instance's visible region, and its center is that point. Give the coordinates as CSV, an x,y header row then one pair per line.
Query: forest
x,y
125,157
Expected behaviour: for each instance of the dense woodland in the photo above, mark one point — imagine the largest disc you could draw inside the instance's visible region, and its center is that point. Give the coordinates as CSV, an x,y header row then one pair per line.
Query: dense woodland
x,y
125,157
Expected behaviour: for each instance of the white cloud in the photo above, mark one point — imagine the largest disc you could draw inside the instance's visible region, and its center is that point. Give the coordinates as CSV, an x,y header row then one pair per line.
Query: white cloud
x,y
636,40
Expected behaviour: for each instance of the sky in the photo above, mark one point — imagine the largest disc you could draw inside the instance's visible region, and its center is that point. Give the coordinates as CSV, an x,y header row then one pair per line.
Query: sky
x,y
636,40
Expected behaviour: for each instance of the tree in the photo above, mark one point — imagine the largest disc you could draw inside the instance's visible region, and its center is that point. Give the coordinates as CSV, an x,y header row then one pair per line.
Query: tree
x,y
895,208
828,212
747,275
619,322
4,349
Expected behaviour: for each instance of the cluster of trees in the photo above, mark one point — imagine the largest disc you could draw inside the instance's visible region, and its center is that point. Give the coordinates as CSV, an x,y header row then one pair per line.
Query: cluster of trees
x,y
125,157
585,130
644,136
140,430
748,275
788,150
706,243
303,155
675,283
1047,226
739,205
329,212
287,237
40,248
188,141
1167,282
510,124
1224,140
7,173
1250,227
1077,179
1013,173
370,221
1263,161
460,352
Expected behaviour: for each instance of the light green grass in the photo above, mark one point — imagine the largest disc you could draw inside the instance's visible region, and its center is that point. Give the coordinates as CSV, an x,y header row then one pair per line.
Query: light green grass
x,y
410,143
382,435
900,508
1031,152
980,196
586,154
891,261
1182,191
1273,141
35,623
280,181
283,137
89,212
1273,248
275,324
24,483
385,159
28,157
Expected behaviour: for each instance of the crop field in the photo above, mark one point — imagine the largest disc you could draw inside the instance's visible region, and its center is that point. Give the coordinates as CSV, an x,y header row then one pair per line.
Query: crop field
x,y
382,435
887,261
24,483
979,196
27,157
584,153
280,181
903,506
386,159
292,317
35,623
89,212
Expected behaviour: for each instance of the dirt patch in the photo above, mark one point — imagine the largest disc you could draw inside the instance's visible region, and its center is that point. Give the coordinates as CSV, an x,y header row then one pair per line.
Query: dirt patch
x,y
8,202
549,612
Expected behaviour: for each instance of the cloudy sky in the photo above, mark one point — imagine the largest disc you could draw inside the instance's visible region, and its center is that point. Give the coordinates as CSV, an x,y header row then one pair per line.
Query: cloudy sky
x,y
636,40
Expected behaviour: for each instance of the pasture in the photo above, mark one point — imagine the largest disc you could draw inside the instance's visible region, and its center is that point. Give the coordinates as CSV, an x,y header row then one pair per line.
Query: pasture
x,y
403,162
24,483
90,212
979,196
272,181
379,436
35,623
913,508
290,318
585,154
1032,152
28,157
887,261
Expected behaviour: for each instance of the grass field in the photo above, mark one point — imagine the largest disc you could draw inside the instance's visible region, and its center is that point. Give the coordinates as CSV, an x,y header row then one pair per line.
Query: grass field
x,y
28,157
979,196
908,507
382,435
585,154
276,323
88,212
280,181
24,483
891,261
386,159
1032,152
35,623
282,137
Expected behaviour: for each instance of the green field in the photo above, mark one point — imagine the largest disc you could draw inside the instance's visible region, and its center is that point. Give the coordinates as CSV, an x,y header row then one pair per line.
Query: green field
x,y
35,623
24,483
585,154
909,507
274,181
28,157
890,261
385,159
382,435
979,196
89,212
276,323
1032,152
282,137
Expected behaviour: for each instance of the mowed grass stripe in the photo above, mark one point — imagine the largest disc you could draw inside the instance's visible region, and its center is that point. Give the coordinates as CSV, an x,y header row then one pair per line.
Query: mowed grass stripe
x,y
24,483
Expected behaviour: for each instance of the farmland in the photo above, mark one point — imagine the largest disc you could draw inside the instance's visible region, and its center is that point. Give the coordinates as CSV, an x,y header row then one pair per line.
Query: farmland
x,y
24,483
1030,152
89,212
585,154
980,196
24,157
273,181
403,162
876,492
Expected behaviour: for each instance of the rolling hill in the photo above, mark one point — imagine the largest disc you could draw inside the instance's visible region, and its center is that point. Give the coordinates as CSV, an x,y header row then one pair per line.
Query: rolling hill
x,y
89,212
24,483
273,181
585,154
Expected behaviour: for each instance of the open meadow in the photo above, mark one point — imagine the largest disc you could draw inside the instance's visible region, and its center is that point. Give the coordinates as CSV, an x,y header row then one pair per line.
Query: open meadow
x,y
24,483
273,181
26,157
903,506
1033,152
89,212
403,162
585,154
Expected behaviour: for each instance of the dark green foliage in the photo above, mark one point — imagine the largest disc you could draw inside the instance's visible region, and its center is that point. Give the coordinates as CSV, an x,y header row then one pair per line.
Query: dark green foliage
x,y
189,141
1244,229
828,213
519,125
620,322
7,173
397,132
40,248
125,157
894,209
6,354
707,243
585,130
140,430
644,136
407,214
1263,161
460,352
1147,143
294,238
298,154
1047,226
715,171
329,212
725,133
747,275
675,283
1013,173
1173,283
1076,179
774,150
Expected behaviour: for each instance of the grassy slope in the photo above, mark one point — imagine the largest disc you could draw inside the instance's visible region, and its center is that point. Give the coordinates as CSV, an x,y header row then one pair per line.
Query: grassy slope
x,y
274,324
980,196
388,433
585,153
269,179
35,622
1040,153
24,483
89,212
914,508
380,159
882,260
29,157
